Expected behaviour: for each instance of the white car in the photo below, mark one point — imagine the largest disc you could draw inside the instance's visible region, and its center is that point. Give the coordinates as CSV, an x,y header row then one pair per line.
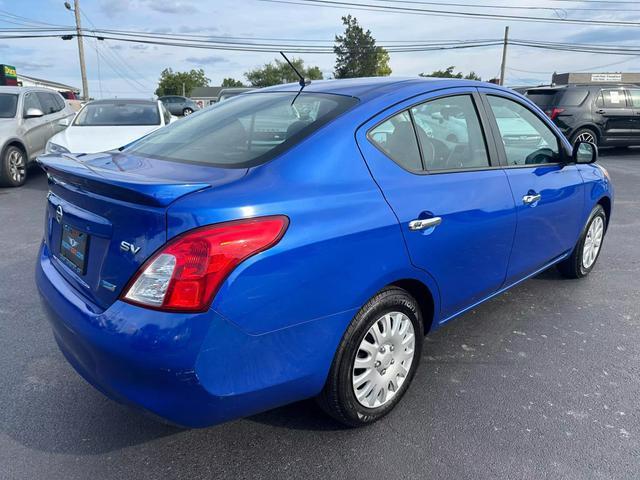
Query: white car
x,y
104,125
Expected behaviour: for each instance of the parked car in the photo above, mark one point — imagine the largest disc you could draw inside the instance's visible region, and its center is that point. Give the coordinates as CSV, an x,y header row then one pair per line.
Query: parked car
x,y
231,263
606,115
104,125
177,105
227,93
28,118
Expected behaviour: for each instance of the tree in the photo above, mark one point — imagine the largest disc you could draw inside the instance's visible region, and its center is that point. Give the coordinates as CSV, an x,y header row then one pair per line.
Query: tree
x,y
448,73
175,83
279,71
231,83
357,54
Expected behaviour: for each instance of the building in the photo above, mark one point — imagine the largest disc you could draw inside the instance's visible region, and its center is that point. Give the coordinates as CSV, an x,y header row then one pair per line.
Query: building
x,y
205,96
27,81
601,77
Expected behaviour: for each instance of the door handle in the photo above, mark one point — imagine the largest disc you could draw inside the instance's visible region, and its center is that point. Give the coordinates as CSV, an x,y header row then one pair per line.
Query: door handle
x,y
600,111
529,199
425,223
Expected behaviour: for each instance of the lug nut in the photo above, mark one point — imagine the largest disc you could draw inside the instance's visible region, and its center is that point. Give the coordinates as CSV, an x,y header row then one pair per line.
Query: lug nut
x,y
391,348
392,362
377,364
383,372
382,349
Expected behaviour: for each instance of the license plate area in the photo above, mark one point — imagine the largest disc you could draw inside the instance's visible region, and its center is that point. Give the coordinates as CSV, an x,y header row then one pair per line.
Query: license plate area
x,y
73,248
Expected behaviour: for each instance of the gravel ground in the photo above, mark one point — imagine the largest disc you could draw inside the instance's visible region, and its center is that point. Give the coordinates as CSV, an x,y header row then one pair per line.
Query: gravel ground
x,y
541,383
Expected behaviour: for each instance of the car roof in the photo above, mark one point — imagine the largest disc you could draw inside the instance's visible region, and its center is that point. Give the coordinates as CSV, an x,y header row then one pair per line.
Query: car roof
x,y
367,88
16,89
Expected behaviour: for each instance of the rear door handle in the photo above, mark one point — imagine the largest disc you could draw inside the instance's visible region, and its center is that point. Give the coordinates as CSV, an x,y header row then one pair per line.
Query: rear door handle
x,y
529,199
425,223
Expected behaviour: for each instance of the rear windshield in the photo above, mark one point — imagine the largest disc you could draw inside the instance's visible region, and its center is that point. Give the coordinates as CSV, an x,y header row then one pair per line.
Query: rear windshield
x,y
568,97
244,131
8,105
119,113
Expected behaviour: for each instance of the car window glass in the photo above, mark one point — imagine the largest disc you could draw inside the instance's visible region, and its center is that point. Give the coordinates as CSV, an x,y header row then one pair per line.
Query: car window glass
x,y
572,97
397,138
166,114
244,132
450,134
527,139
60,101
614,98
31,101
115,113
48,103
8,105
634,93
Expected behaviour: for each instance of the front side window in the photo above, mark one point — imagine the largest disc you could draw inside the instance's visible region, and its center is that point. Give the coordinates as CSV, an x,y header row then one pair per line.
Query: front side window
x,y
31,101
118,113
396,137
246,132
8,105
614,98
48,102
526,138
450,134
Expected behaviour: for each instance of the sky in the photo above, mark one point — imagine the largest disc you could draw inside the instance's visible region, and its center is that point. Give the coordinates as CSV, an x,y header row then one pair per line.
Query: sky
x,y
132,70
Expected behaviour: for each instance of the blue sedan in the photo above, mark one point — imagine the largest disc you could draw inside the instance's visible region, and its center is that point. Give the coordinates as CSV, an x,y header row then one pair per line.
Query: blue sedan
x,y
285,245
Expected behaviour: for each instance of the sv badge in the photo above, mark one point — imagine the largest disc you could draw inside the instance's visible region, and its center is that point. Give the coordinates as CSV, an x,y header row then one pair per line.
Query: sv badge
x,y
129,247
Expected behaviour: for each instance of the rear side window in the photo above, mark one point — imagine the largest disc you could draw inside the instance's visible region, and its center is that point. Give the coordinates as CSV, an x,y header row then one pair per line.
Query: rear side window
x,y
543,98
397,139
634,94
614,98
245,131
59,100
572,97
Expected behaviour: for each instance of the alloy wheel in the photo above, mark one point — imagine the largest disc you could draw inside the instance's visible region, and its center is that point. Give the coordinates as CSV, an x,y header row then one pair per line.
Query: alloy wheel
x,y
592,242
586,137
383,360
17,166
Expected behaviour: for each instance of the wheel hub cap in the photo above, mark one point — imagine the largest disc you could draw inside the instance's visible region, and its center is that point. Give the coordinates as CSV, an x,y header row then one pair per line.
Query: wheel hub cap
x,y
592,242
383,360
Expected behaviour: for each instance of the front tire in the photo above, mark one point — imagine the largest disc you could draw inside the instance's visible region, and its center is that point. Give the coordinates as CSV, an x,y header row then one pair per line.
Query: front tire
x,y
13,167
187,111
587,250
376,359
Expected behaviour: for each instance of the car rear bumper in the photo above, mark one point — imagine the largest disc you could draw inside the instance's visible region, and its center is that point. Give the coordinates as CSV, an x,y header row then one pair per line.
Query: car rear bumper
x,y
192,370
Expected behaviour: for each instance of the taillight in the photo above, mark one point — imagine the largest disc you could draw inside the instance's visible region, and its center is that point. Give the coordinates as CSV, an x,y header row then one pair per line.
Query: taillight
x,y
554,112
186,274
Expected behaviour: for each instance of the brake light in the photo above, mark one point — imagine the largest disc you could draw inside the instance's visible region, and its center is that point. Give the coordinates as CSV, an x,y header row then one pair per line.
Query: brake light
x,y
186,274
554,112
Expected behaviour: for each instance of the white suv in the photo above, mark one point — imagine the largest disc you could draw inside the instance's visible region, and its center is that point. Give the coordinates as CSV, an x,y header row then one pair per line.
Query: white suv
x,y
28,118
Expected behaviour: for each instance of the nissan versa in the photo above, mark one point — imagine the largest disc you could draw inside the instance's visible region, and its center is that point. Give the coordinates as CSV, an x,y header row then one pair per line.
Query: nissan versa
x,y
289,244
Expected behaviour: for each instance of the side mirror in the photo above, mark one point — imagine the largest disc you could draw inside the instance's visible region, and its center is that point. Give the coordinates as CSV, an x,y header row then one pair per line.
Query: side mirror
x,y
34,113
64,122
584,152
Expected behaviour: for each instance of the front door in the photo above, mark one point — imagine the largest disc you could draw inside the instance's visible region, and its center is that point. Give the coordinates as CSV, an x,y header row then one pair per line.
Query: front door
x,y
548,193
435,168
616,115
37,130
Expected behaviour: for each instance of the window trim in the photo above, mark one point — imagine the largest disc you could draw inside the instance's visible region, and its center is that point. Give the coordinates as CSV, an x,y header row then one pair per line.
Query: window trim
x,y
487,133
502,154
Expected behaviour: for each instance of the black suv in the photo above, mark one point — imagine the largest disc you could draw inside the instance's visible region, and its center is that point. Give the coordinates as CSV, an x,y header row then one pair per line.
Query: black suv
x,y
605,114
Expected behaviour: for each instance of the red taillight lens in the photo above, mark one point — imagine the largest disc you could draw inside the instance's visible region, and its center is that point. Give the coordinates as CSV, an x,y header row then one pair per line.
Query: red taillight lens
x,y
187,272
554,112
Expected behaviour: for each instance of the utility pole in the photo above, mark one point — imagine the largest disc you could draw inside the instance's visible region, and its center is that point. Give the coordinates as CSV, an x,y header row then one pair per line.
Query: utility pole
x,y
83,68
503,66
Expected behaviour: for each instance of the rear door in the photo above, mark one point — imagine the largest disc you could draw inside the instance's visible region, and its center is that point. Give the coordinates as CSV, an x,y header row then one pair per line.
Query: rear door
x,y
634,97
37,130
548,193
432,161
616,114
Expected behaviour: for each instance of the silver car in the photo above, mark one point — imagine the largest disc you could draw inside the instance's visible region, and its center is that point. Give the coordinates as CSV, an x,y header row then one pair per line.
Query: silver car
x,y
29,117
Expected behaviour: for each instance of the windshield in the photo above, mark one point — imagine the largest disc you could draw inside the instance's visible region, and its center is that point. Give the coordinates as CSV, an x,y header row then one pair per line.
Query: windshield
x,y
119,113
8,105
244,131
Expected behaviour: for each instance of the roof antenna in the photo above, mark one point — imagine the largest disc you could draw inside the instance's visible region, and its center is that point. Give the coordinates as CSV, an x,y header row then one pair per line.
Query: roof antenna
x,y
303,82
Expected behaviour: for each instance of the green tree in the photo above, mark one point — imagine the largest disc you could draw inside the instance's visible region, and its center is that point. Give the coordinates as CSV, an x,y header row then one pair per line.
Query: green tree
x,y
231,83
357,54
174,83
279,71
449,73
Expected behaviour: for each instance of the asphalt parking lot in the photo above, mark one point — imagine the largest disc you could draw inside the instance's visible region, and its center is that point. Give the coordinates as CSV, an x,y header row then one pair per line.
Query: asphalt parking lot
x,y
542,382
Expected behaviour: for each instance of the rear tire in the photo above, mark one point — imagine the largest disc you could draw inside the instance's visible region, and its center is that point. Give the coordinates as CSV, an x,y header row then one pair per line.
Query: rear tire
x,y
587,250
13,167
385,339
187,111
584,135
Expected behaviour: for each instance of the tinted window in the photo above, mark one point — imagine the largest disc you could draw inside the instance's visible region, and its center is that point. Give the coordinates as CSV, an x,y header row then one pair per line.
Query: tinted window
x,y
541,97
527,139
246,131
614,98
572,97
60,101
118,113
397,138
31,101
450,134
48,102
8,105
635,97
